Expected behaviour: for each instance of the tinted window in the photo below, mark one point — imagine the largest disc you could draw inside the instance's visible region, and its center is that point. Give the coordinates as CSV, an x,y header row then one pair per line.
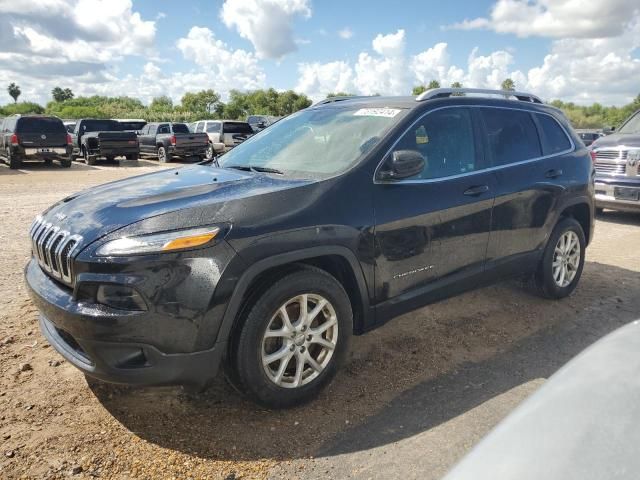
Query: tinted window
x,y
135,126
445,140
512,135
40,124
100,126
554,138
164,129
213,127
180,128
237,127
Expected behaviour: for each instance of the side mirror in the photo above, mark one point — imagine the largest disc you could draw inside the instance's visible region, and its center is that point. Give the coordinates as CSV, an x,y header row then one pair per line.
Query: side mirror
x,y
403,164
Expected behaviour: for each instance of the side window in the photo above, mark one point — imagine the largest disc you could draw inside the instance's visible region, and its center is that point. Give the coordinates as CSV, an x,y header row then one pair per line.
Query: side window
x,y
513,136
445,140
213,127
164,128
200,127
554,139
153,129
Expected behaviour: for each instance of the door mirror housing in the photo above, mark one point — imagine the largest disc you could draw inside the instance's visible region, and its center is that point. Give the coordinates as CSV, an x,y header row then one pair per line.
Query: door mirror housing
x,y
402,164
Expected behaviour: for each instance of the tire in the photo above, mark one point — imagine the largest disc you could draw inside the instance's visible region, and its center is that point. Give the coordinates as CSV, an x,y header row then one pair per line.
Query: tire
x,y
48,161
13,161
599,210
111,159
133,156
88,159
209,153
66,163
546,277
162,155
250,345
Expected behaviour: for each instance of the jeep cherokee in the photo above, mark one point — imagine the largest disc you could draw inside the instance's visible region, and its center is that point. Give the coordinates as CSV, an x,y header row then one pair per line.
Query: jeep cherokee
x,y
326,224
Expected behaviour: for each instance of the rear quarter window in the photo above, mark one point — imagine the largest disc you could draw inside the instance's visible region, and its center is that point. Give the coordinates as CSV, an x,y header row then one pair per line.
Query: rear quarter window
x,y
40,125
237,127
554,139
180,128
512,135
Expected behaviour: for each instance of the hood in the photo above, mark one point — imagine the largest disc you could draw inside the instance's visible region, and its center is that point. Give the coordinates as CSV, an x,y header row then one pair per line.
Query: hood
x,y
617,140
98,211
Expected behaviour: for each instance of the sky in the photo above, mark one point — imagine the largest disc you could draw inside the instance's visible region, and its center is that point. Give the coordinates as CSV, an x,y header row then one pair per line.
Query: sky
x,y
573,50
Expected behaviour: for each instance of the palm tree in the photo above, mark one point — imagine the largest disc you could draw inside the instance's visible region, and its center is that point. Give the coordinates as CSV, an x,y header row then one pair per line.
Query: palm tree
x,y
14,91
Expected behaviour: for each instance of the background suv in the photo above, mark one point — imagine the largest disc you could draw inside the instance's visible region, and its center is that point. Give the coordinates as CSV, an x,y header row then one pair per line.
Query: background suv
x,y
343,216
34,137
223,134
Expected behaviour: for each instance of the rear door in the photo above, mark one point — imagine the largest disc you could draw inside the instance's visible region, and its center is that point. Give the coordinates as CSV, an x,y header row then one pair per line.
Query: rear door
x,y
529,153
432,230
147,140
41,133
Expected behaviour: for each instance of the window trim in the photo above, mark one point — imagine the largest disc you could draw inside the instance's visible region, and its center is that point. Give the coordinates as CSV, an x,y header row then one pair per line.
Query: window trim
x,y
492,168
544,141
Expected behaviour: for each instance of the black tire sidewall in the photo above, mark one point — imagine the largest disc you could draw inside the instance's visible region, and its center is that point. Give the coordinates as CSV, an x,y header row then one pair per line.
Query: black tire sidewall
x,y
248,365
545,272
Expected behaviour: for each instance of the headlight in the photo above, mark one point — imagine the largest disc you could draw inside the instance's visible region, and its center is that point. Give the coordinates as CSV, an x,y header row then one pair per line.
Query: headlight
x,y
158,243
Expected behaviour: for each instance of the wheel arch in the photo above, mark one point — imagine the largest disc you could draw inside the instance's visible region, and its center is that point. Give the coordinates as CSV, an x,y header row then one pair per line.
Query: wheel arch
x,y
340,262
583,213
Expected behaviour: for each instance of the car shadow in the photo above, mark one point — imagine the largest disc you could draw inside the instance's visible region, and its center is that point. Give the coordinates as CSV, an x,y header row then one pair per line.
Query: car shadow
x,y
418,371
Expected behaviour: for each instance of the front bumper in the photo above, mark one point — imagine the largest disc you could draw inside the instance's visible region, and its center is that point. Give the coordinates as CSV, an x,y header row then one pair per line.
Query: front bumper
x,y
112,345
606,196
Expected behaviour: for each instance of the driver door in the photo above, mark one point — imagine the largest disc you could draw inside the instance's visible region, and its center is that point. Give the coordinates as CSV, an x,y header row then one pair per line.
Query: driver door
x,y
432,230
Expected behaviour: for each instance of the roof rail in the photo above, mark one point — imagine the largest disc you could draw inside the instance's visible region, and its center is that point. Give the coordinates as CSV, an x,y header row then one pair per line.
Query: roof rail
x,y
447,92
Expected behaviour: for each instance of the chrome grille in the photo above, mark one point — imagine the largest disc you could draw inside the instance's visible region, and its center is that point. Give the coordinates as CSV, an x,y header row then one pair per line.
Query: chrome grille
x,y
54,249
611,168
611,154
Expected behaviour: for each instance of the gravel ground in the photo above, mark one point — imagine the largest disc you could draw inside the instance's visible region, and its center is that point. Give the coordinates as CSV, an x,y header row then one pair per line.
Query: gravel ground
x,y
414,397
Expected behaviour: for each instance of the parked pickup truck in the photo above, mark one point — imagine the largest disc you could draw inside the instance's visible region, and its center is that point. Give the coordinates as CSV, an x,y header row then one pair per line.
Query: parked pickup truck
x,y
99,138
167,140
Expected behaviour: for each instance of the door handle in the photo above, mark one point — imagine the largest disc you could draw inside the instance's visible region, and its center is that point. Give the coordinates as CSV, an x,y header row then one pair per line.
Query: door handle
x,y
476,190
553,173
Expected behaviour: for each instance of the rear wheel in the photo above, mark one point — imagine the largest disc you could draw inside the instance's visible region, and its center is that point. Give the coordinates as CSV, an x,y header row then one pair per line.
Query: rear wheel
x,y
88,159
48,161
293,339
66,163
210,153
132,156
563,260
162,155
13,160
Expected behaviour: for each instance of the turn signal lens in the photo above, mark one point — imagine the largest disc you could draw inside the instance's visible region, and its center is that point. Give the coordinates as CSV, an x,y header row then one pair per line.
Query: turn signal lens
x,y
188,242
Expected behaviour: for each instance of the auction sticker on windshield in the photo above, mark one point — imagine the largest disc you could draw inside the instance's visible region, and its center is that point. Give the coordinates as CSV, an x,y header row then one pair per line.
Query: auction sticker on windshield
x,y
377,112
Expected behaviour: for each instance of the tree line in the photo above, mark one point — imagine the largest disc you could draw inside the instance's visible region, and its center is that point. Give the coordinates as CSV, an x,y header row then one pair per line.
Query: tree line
x,y
206,104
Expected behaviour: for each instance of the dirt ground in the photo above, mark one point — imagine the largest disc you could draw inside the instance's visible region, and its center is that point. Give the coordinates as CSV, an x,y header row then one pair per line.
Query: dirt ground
x,y
424,374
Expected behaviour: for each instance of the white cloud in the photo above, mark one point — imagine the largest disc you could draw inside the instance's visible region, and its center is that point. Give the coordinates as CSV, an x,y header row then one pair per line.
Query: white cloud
x,y
317,79
391,45
346,33
557,18
267,24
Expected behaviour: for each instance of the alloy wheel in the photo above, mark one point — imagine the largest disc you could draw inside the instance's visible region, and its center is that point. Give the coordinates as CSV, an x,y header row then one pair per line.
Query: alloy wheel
x,y
566,258
299,341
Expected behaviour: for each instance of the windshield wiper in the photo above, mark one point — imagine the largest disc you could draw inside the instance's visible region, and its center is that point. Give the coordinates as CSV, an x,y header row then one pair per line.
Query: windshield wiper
x,y
251,168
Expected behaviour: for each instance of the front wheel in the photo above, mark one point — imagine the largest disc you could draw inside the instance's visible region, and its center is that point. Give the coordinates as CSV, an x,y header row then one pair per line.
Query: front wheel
x,y
293,339
563,260
13,161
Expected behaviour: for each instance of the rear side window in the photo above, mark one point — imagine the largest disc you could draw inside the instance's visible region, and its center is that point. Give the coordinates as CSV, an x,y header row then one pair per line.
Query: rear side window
x,y
554,139
213,127
445,139
237,127
40,125
512,135
199,127
164,129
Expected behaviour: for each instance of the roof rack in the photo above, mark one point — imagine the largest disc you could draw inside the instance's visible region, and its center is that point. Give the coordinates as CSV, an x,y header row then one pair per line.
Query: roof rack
x,y
447,92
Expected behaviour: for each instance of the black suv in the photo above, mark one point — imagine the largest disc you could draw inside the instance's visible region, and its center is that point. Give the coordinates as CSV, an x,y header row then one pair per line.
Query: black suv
x,y
327,224
34,137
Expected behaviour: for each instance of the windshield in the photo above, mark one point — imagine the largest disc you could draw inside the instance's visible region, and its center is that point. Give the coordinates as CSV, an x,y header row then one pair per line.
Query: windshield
x,y
317,142
632,125
180,128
